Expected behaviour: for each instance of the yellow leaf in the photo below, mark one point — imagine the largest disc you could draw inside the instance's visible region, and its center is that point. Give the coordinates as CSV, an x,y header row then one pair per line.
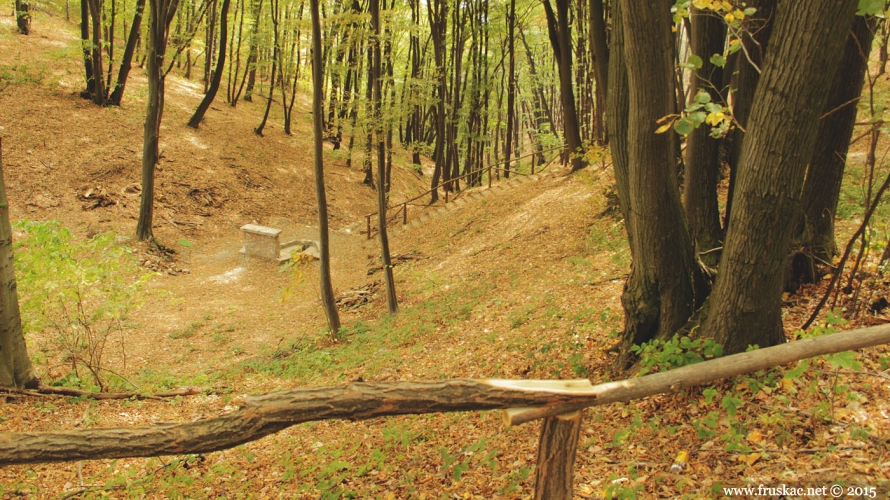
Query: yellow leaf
x,y
714,119
390,496
726,5
738,14
755,436
664,128
701,4
729,17
786,383
749,459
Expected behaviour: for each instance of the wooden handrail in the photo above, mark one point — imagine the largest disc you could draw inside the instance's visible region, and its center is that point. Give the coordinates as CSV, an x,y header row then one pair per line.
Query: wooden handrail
x,y
524,400
481,170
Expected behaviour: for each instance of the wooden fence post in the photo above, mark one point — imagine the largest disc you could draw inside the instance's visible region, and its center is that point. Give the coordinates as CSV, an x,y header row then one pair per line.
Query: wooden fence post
x,y
404,213
369,226
556,456
489,177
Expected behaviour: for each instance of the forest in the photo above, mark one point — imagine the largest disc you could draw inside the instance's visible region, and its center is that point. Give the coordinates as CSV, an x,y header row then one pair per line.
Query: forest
x,y
291,249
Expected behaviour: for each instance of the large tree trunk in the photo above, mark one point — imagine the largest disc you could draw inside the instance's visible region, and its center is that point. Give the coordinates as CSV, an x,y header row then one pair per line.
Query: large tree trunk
x,y
666,283
814,234
15,365
511,86
702,151
745,306
327,289
127,61
218,72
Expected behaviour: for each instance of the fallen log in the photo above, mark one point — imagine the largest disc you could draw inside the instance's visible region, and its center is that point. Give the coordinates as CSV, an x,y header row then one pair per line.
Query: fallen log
x,y
265,414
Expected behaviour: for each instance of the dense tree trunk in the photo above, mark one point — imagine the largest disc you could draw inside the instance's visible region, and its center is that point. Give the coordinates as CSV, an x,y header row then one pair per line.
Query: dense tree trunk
x,y
253,54
95,7
85,47
327,289
437,11
750,61
666,283
601,66
218,72
702,151
745,306
814,235
160,15
117,94
15,365
561,40
23,16
511,86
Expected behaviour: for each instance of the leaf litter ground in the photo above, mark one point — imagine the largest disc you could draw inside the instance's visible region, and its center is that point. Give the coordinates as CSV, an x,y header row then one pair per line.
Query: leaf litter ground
x,y
521,284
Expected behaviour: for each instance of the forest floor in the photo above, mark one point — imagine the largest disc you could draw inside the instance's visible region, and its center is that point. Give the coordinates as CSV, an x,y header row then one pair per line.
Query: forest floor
x,y
521,284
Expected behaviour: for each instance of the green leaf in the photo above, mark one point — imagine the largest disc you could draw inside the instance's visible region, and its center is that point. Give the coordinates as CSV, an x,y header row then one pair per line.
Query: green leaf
x,y
693,62
184,242
870,8
749,11
731,404
845,360
718,60
698,118
702,97
684,126
801,367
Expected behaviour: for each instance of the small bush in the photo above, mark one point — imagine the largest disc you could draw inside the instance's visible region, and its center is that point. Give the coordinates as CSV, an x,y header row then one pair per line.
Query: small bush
x,y
75,294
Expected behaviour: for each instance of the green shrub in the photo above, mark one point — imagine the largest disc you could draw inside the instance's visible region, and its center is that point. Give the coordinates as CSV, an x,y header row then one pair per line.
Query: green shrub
x,y
75,294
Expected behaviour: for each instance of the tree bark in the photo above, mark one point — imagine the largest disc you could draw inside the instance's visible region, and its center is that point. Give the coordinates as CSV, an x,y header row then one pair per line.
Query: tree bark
x,y
666,283
525,400
23,16
117,94
160,15
85,47
218,72
556,457
807,42
511,86
561,40
601,66
814,234
95,7
391,302
327,288
15,364
702,151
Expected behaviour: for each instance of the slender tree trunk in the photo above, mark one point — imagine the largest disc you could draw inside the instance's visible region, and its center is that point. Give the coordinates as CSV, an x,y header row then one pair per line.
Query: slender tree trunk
x,y
702,151
438,17
561,39
23,16
117,94
160,15
15,365
209,44
327,289
745,306
601,65
391,302
95,7
85,44
511,86
218,72
274,6
253,54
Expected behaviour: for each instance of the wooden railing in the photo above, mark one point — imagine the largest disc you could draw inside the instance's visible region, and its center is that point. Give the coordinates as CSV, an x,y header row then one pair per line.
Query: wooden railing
x,y
402,208
559,402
